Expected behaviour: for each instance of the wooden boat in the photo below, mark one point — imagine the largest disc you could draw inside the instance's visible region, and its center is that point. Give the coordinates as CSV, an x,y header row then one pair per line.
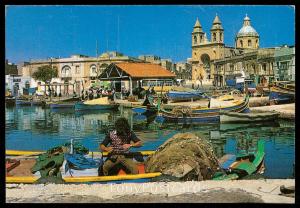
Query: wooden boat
x,y
184,114
96,104
10,100
176,96
239,166
62,105
232,117
282,92
84,176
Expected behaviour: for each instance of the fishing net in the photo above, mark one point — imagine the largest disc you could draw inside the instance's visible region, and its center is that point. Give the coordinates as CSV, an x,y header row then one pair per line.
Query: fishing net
x,y
184,156
182,110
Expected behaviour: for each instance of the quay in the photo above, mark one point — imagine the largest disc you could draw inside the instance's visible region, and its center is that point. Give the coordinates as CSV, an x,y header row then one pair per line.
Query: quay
x,y
236,191
287,111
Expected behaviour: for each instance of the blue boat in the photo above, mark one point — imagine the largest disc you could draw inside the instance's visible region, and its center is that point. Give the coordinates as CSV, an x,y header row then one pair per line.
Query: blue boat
x,y
186,115
185,95
80,106
21,102
62,105
282,92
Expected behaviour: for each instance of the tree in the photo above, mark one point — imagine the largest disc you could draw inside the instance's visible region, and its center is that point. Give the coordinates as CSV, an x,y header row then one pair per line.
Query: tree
x,y
45,73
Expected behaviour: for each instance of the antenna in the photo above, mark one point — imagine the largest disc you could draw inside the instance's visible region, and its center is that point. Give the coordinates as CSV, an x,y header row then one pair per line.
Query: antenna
x,y
96,48
118,42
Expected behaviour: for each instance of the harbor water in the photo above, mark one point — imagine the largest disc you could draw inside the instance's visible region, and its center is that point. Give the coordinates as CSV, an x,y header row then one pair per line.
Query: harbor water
x,y
37,128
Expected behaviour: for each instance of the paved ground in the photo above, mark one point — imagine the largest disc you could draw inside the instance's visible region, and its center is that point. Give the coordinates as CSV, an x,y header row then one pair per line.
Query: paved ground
x,y
286,111
242,191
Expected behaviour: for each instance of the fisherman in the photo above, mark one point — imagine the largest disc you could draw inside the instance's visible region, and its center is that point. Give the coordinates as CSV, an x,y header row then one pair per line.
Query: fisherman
x,y
120,141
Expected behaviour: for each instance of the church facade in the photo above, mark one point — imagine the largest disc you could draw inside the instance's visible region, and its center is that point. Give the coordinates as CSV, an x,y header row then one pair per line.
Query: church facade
x,y
213,62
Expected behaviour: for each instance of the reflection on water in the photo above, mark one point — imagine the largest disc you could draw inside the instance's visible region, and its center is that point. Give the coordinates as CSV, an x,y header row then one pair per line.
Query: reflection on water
x,y
35,128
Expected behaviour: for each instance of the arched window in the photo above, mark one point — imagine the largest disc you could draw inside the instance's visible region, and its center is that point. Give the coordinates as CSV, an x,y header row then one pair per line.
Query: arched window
x,y
214,37
221,37
93,69
241,43
201,38
249,43
195,39
66,70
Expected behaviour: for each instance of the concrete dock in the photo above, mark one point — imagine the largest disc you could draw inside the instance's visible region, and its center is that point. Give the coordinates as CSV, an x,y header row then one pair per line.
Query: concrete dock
x,y
287,111
238,191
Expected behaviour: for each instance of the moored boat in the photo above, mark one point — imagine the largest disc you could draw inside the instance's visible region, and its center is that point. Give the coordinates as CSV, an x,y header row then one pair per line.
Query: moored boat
x,y
239,166
62,105
176,96
96,104
282,92
232,117
185,114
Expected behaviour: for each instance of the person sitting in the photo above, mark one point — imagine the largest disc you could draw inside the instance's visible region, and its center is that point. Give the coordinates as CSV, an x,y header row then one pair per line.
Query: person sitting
x,y
119,141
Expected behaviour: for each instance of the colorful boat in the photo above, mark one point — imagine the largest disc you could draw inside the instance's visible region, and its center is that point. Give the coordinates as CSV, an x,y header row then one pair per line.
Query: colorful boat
x,y
62,105
282,92
176,96
233,117
185,114
242,165
83,176
96,104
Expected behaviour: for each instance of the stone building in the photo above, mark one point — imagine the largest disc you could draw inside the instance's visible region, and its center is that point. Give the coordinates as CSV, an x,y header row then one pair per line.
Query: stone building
x,y
213,62
165,63
183,70
80,71
10,68
284,66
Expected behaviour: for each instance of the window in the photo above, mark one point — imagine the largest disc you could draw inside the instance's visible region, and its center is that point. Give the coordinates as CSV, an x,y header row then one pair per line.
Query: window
x,y
221,36
201,38
241,43
249,43
77,69
93,70
214,37
195,39
65,71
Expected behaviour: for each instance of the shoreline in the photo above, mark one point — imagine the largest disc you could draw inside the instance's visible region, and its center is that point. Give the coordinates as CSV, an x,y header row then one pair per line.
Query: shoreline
x,y
239,191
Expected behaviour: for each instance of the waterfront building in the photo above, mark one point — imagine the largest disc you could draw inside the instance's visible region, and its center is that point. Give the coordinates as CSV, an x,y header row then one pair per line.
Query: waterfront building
x,y
10,68
213,62
79,71
284,67
131,75
165,63
18,84
183,70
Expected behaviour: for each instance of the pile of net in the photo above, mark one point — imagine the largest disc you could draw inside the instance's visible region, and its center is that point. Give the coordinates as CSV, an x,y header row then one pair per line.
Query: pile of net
x,y
182,110
184,156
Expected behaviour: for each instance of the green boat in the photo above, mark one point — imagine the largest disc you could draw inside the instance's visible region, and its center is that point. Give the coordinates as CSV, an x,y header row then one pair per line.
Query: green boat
x,y
243,164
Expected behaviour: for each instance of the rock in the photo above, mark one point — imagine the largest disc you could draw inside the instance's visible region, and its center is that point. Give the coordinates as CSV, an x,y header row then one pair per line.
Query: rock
x,y
196,161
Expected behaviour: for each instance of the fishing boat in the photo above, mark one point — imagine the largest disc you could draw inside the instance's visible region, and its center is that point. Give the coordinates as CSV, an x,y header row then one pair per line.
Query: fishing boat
x,y
96,104
233,117
243,164
282,92
211,114
62,105
22,102
184,94
79,176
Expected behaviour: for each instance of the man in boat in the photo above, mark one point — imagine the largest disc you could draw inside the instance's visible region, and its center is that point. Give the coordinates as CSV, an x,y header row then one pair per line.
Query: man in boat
x,y
120,141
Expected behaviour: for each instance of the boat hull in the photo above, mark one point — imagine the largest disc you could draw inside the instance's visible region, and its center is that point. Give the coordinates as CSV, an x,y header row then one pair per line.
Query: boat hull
x,y
61,105
79,106
233,117
201,116
184,96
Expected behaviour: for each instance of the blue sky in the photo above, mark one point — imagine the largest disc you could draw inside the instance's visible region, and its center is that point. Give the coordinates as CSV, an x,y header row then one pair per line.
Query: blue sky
x,y
39,32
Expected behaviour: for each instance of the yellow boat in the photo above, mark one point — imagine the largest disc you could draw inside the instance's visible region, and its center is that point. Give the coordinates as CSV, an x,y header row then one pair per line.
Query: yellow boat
x,y
33,153
121,177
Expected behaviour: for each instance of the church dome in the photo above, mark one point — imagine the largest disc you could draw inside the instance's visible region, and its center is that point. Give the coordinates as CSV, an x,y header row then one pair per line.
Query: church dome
x,y
247,31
